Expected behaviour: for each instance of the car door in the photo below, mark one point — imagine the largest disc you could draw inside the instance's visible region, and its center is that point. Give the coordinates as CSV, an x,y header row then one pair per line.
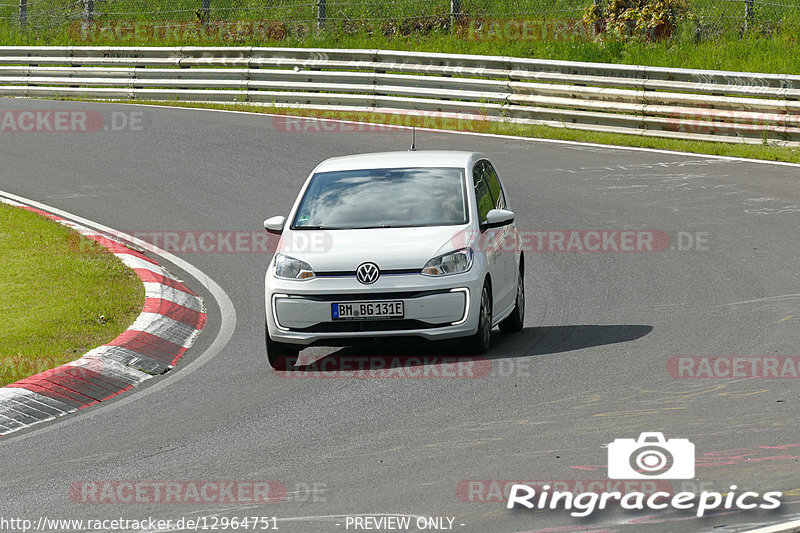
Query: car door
x,y
507,241
491,240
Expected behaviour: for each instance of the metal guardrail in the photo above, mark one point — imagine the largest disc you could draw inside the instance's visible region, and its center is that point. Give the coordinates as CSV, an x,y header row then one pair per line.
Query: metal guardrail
x,y
679,103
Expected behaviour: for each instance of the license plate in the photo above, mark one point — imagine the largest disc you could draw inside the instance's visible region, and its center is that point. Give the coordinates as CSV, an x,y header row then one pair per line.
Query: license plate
x,y
366,310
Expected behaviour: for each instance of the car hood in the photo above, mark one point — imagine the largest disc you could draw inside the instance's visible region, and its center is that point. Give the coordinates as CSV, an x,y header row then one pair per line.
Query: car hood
x,y
389,248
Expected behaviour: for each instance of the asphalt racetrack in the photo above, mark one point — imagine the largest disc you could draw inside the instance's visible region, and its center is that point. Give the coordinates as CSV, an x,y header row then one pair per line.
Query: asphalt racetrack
x,y
594,363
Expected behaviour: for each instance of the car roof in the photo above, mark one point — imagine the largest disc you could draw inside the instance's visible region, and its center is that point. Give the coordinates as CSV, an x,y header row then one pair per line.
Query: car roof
x,y
421,158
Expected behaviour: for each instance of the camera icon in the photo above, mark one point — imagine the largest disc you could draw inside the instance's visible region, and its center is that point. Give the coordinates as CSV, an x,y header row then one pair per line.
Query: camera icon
x,y
651,457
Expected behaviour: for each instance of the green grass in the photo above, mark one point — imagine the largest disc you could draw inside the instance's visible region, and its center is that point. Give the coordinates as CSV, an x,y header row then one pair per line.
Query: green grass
x,y
60,294
770,48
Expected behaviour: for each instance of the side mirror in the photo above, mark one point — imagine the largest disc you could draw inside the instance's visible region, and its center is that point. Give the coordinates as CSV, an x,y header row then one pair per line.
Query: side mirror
x,y
497,218
275,224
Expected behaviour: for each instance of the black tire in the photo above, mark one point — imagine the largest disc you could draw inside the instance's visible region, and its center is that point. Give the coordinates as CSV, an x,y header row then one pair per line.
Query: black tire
x,y
281,356
514,322
480,342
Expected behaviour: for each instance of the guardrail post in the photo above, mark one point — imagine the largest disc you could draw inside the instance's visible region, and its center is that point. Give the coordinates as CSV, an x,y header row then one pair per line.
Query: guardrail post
x,y
321,15
749,13
88,14
456,10
205,11
23,13
598,25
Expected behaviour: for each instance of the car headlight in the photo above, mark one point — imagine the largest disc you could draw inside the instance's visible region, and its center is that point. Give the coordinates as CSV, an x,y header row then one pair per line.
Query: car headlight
x,y
451,263
290,268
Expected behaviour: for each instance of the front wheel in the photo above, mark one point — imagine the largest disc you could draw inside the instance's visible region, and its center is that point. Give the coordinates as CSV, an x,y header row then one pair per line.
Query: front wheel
x,y
281,356
479,342
514,322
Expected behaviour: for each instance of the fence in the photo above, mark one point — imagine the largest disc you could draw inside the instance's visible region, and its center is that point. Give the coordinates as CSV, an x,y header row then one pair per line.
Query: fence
x,y
652,101
359,14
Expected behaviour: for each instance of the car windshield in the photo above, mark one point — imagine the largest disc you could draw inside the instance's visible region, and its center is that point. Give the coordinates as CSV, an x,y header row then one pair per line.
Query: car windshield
x,y
383,198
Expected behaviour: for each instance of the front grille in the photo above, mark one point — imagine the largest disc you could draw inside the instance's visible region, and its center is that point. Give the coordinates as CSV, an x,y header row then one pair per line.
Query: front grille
x,y
354,326
352,273
372,296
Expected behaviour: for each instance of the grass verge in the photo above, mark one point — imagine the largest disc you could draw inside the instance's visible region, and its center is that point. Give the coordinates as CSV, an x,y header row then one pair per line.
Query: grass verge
x,y
60,294
729,50
766,151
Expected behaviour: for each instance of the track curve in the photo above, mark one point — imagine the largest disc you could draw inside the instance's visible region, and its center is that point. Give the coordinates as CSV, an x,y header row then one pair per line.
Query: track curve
x,y
590,366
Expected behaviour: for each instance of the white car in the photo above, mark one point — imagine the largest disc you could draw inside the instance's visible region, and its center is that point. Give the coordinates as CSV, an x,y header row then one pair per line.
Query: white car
x,y
396,244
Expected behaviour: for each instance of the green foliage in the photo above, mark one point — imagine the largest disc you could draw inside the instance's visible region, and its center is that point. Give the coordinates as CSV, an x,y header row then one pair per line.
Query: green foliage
x,y
689,47
644,20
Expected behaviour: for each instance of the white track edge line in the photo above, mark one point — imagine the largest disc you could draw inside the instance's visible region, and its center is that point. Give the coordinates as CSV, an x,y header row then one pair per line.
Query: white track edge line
x,y
491,135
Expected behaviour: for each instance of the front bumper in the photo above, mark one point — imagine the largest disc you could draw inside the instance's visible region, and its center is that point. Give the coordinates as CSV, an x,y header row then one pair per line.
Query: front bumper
x,y
299,312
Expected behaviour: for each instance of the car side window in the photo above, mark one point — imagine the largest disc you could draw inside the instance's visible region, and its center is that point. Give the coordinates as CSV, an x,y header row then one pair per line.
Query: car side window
x,y
483,197
494,186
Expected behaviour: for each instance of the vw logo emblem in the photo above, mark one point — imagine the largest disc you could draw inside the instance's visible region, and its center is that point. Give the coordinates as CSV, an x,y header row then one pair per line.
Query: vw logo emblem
x,y
367,273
